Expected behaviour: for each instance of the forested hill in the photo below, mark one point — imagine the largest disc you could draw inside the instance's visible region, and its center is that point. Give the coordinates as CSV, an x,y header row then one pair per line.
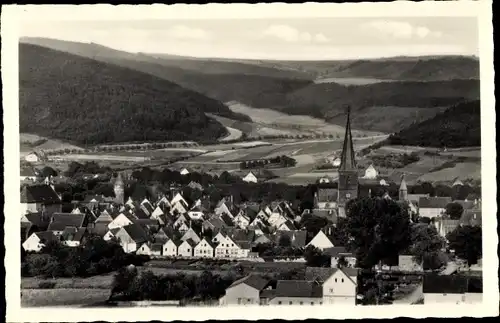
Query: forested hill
x,y
459,126
81,100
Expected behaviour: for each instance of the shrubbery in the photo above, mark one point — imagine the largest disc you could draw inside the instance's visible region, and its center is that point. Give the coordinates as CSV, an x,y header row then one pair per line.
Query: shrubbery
x,y
95,256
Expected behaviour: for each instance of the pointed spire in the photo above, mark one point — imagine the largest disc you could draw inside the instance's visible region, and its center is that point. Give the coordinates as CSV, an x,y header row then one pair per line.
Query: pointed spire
x,y
403,187
347,159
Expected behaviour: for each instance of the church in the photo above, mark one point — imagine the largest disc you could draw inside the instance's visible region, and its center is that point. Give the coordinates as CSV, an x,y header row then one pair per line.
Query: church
x,y
334,200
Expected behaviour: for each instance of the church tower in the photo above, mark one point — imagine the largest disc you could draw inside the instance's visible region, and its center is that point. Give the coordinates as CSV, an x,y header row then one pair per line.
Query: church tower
x,y
348,172
119,189
403,190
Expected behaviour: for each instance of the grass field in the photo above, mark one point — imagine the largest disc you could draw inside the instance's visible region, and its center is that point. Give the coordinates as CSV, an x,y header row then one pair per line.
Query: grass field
x,y
461,170
63,297
29,142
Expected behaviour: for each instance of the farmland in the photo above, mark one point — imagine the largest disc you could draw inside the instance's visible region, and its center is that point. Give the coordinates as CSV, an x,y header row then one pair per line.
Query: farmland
x,y
63,297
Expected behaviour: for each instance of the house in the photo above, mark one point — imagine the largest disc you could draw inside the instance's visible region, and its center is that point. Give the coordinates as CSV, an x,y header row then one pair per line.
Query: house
x,y
445,225
178,198
190,234
250,178
37,240
337,253
204,249
178,207
111,234
371,172
224,208
163,203
262,239
183,227
170,247
213,224
325,198
184,171
457,182
432,207
196,213
186,248
287,226
131,237
294,292
150,249
341,287
244,291
471,217
157,213
408,263
444,289
121,220
276,219
61,221
241,220
161,236
34,157
40,198
320,241
227,248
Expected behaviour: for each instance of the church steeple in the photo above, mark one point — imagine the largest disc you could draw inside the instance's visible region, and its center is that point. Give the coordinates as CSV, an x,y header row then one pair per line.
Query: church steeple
x,y
403,190
348,172
348,160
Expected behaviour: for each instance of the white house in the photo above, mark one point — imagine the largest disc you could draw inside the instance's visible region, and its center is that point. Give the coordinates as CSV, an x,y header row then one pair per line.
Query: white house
x,y
218,237
184,171
223,209
204,249
170,248
32,157
111,234
157,213
244,291
371,172
120,221
250,178
227,248
186,248
37,240
293,292
149,249
164,202
241,221
190,234
178,207
432,207
183,227
320,241
131,237
178,198
341,287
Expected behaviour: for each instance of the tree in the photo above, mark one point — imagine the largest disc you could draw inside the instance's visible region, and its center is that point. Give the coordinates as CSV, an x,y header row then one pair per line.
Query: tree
x,y
426,245
342,262
284,241
377,229
466,241
48,171
454,210
316,258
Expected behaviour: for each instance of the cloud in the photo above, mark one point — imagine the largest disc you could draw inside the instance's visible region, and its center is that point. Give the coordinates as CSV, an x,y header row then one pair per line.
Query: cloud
x,y
184,32
401,30
293,35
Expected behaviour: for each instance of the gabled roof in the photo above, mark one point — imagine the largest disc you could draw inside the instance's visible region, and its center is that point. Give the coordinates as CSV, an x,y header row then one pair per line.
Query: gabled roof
x,y
434,202
226,219
176,242
136,233
89,198
62,220
36,219
216,222
319,274
191,242
289,225
445,284
252,280
207,241
298,288
39,194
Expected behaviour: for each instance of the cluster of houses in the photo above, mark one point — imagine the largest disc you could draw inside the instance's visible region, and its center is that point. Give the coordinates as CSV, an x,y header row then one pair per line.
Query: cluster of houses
x,y
321,286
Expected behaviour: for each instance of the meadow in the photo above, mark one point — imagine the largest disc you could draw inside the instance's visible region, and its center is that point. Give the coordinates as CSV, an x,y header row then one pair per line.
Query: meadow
x,y
63,297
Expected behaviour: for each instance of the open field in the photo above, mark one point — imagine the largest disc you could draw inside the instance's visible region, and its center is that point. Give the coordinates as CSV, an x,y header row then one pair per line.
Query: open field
x,y
100,281
298,124
233,134
461,170
350,80
63,297
29,142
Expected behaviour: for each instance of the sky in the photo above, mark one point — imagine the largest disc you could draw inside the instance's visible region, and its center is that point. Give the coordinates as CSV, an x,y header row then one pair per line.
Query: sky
x,y
291,38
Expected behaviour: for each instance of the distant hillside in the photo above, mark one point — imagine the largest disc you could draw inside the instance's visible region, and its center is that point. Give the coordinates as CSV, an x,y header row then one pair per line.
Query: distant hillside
x,y
459,126
422,68
81,100
420,87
